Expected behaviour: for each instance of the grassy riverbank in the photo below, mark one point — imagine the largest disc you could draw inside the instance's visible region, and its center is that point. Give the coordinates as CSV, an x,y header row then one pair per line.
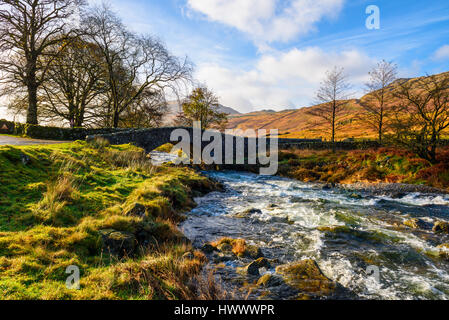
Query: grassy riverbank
x,y
104,209
372,166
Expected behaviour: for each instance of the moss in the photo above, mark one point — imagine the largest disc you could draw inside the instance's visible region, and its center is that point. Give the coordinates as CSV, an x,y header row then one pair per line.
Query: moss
x,y
307,278
415,223
55,205
167,148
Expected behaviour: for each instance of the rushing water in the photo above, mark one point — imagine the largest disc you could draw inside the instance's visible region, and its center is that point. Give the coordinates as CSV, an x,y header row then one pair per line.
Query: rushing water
x,y
291,212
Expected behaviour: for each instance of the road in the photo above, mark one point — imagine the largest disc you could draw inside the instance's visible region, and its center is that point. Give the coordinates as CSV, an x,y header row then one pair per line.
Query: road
x,y
13,141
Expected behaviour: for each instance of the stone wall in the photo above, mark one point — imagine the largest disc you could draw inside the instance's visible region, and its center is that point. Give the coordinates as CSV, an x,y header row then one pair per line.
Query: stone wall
x,y
347,145
51,133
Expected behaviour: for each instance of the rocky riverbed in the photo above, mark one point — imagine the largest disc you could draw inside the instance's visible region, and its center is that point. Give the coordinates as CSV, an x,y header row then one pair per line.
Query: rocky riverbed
x,y
277,238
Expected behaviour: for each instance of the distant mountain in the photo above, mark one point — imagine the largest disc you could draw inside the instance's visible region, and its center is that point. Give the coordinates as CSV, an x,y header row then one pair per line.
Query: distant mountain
x,y
300,124
174,109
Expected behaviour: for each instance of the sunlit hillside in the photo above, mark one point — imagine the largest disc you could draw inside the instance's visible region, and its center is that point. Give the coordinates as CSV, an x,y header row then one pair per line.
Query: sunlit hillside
x,y
300,124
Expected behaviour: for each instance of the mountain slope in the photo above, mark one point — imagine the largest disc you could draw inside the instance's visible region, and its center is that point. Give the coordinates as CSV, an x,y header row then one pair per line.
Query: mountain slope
x,y
300,124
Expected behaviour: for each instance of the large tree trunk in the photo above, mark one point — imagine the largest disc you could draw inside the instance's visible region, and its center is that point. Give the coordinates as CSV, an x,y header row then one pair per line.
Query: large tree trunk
x,y
32,104
79,118
115,119
32,87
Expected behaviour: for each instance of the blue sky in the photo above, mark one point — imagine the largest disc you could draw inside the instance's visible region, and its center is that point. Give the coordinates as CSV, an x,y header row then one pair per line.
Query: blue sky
x,y
259,54
272,54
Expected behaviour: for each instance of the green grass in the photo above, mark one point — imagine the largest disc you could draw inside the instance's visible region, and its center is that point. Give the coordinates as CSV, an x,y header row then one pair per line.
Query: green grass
x,y
55,201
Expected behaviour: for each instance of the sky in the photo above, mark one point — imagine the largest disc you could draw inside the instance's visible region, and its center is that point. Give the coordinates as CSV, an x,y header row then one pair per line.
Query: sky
x,y
273,54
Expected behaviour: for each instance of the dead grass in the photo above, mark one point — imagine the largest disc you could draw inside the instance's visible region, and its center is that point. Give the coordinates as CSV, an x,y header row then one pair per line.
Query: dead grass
x,y
389,165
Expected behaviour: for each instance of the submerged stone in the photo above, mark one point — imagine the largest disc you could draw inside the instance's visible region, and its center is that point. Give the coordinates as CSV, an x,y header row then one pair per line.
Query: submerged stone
x,y
248,213
253,211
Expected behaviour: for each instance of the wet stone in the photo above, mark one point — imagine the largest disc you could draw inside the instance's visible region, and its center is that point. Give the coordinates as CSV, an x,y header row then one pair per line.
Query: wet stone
x,y
307,278
224,247
441,227
248,213
416,224
253,252
254,267
269,280
208,248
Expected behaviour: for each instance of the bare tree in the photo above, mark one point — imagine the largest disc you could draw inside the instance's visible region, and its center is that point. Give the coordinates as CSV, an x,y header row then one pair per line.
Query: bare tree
x,y
146,112
28,28
376,102
332,96
421,114
132,63
74,84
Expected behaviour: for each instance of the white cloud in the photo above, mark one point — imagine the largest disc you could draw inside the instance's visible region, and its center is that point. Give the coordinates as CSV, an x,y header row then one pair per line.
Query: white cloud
x,y
268,20
442,53
281,81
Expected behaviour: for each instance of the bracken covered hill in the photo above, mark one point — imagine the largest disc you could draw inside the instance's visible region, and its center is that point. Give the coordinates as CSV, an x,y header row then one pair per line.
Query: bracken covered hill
x,y
300,124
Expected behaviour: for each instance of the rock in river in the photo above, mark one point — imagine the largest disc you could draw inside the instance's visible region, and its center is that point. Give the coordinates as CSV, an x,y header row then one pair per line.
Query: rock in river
x,y
415,224
269,280
441,227
253,267
307,278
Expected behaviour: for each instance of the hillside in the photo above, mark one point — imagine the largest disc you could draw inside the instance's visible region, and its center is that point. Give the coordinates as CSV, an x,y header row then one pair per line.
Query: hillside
x,y
300,124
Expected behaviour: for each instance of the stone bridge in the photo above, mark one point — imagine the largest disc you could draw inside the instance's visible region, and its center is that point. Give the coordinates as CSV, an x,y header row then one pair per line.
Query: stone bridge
x,y
150,139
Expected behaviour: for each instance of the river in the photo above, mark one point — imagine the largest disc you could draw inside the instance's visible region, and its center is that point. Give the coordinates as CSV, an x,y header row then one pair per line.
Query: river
x,y
286,216
347,233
